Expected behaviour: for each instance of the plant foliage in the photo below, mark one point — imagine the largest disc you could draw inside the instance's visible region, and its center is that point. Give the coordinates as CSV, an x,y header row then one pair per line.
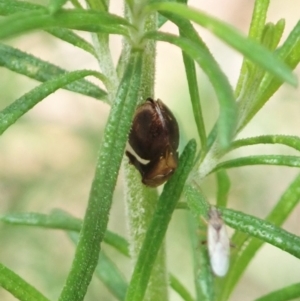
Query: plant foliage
x,y
266,66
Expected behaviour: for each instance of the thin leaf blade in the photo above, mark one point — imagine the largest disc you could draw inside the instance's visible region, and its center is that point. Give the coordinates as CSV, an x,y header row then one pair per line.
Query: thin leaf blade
x,y
291,141
108,273
35,68
79,19
231,36
263,230
228,108
291,161
22,105
18,287
61,220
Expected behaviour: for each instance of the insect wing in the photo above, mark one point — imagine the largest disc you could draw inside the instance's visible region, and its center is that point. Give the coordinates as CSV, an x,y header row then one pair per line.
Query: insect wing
x,y
218,245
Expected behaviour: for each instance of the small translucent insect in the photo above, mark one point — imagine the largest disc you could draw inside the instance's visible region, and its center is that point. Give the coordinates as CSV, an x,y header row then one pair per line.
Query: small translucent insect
x,y
218,243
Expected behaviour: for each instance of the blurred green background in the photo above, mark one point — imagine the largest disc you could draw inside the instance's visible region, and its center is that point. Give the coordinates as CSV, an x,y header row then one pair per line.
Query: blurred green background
x,y
47,159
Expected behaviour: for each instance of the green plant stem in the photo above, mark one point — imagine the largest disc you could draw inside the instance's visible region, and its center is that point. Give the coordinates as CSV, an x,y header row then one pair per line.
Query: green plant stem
x,y
108,164
140,200
159,223
101,44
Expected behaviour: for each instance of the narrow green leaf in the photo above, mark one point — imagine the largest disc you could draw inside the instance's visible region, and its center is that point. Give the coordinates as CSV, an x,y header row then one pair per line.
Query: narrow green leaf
x,y
56,220
289,52
108,164
18,287
14,6
22,105
248,98
55,5
257,25
158,226
268,35
66,35
272,34
249,246
223,90
258,21
161,18
191,76
59,219
76,4
99,5
33,67
231,36
291,141
278,32
291,42
117,241
212,136
179,288
72,38
292,161
223,187
86,20
262,230
108,273
287,293
187,30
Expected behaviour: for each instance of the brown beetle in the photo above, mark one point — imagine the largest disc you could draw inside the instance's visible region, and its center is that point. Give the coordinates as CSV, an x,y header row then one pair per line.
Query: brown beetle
x,y
153,142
